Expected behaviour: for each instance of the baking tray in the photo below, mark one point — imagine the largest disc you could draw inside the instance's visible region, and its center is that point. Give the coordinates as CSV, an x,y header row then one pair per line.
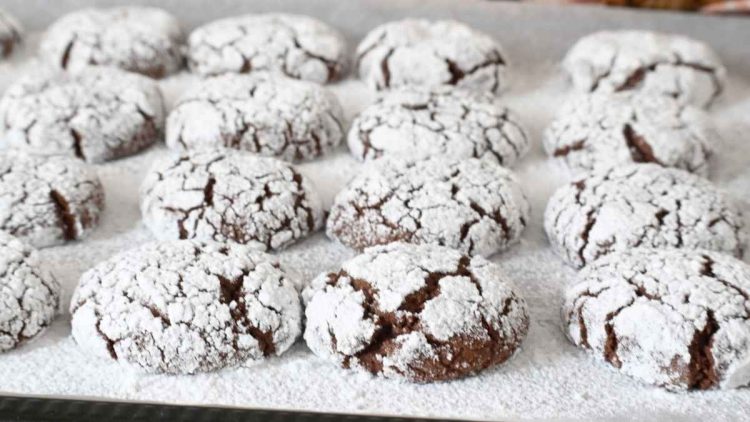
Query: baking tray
x,y
548,379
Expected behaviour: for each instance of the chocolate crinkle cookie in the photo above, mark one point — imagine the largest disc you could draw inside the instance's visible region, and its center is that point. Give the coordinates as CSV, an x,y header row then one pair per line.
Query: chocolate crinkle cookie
x,y
641,205
10,34
472,205
139,39
183,307
29,294
674,318
46,201
430,53
427,121
297,46
417,312
600,130
657,63
226,195
267,115
96,115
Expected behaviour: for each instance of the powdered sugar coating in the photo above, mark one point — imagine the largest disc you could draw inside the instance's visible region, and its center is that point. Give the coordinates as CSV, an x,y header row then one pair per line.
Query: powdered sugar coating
x,y
472,205
144,40
297,46
186,306
46,201
600,130
430,53
225,195
674,318
10,34
641,205
418,312
420,121
29,295
97,115
272,116
663,64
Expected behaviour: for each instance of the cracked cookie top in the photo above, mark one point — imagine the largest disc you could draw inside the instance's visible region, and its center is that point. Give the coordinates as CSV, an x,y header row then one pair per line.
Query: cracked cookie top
x,y
417,312
144,40
226,195
641,205
674,318
430,53
29,294
420,121
472,205
267,115
46,201
10,34
186,306
297,46
600,130
663,64
97,115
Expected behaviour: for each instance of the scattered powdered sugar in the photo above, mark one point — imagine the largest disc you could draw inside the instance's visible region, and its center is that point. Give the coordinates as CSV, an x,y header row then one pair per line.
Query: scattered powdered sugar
x,y
428,121
29,294
221,195
48,200
139,39
430,53
298,46
603,130
664,64
272,116
676,318
10,33
96,115
473,205
186,307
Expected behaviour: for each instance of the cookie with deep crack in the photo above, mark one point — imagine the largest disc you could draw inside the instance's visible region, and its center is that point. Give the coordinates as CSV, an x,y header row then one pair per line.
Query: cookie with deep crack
x,y
297,46
417,312
431,53
472,205
46,201
97,115
674,318
144,40
29,294
267,115
183,307
601,130
664,64
226,195
427,121
641,205
10,34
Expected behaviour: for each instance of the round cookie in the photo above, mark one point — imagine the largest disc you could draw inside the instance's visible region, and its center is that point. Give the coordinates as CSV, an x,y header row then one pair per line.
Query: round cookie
x,y
10,34
641,205
183,307
419,121
272,116
144,40
297,46
472,205
97,115
29,295
600,130
431,53
417,312
46,201
225,195
674,318
657,63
